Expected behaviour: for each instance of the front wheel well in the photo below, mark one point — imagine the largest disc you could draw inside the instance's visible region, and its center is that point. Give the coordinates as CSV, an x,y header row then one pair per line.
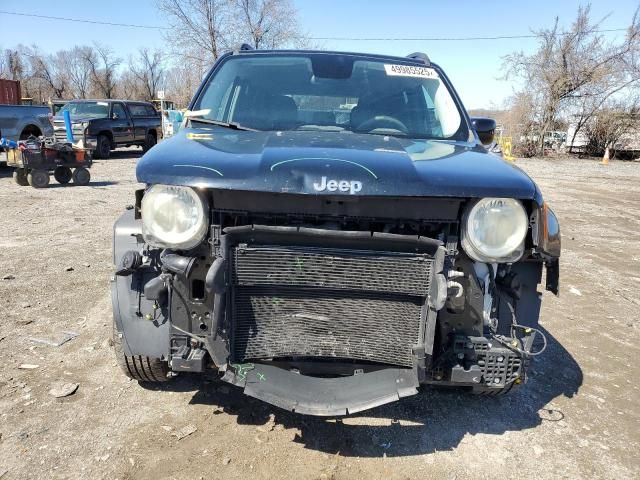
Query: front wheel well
x,y
30,130
107,134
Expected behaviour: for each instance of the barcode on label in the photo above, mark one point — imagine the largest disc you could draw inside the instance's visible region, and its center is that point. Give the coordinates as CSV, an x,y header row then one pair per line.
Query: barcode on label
x,y
410,71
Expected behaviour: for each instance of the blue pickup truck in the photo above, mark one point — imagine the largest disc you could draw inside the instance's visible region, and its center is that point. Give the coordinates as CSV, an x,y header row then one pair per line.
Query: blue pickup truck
x,y
18,122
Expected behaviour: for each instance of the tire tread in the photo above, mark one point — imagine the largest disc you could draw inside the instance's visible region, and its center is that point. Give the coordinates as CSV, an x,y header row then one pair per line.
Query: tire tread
x,y
139,367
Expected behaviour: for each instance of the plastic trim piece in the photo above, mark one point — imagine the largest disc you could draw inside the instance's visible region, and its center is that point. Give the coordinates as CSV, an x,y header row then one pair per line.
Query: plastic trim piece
x,y
329,396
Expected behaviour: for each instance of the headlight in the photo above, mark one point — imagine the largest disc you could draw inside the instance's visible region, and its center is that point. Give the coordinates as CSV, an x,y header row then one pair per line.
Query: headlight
x,y
493,230
173,217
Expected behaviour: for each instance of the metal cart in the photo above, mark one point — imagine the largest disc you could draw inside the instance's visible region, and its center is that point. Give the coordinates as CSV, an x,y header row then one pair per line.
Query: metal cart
x,y
34,159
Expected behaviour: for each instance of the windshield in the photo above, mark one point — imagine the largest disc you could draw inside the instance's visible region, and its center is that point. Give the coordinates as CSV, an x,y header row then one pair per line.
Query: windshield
x,y
86,109
332,92
56,107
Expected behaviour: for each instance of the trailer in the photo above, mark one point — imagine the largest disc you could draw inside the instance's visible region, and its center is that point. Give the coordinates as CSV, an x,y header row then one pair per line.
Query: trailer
x,y
34,159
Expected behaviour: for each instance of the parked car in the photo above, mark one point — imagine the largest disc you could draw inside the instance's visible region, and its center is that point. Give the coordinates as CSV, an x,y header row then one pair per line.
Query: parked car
x,y
103,125
328,263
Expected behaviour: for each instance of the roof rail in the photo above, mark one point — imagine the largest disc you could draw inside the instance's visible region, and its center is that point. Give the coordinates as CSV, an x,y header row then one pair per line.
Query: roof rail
x,y
422,57
245,47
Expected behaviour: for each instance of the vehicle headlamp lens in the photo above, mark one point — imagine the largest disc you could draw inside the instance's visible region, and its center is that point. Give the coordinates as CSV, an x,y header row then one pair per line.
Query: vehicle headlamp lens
x,y
494,230
173,217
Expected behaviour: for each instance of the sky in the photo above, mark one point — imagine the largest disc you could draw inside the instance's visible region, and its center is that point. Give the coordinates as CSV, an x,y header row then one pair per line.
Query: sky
x,y
474,67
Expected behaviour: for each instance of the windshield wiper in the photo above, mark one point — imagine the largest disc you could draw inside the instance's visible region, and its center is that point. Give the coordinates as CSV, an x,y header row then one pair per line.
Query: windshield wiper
x,y
219,123
384,134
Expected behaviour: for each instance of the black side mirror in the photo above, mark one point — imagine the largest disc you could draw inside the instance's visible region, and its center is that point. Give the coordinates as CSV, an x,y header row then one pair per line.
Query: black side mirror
x,y
485,128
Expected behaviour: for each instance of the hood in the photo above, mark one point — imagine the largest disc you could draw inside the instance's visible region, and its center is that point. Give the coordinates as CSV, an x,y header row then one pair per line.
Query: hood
x,y
331,163
75,119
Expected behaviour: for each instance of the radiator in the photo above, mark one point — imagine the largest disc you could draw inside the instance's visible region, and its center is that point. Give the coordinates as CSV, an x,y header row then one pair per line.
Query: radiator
x,y
314,302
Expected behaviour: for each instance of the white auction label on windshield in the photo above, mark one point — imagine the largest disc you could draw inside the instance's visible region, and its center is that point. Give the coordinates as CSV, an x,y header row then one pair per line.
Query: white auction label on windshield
x,y
410,71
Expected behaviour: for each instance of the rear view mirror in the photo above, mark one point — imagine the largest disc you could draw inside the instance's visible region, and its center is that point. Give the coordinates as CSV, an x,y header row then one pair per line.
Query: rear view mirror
x,y
334,67
485,128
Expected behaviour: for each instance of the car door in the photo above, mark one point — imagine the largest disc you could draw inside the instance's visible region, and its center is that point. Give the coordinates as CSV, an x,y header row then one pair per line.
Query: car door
x,y
121,124
142,114
154,119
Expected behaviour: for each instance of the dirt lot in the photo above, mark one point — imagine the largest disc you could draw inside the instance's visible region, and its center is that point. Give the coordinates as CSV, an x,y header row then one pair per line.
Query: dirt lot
x,y
578,417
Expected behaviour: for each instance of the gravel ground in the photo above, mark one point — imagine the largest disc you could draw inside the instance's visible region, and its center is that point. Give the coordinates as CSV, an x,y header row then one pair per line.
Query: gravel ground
x,y
578,417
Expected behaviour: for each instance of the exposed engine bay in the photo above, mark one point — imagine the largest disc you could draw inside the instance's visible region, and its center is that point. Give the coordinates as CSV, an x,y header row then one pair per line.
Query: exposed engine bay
x,y
336,306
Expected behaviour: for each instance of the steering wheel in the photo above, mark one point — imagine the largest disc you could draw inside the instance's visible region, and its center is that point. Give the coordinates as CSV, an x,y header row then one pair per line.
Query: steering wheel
x,y
382,121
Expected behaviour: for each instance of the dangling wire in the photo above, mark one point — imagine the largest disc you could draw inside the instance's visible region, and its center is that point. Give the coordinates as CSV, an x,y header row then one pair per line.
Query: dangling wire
x,y
170,290
515,325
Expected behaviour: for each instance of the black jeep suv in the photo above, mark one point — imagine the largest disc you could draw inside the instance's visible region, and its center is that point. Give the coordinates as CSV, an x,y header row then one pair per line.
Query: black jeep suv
x,y
328,233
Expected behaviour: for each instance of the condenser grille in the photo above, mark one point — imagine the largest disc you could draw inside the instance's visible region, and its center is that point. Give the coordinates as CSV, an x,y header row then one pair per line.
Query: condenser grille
x,y
333,268
327,303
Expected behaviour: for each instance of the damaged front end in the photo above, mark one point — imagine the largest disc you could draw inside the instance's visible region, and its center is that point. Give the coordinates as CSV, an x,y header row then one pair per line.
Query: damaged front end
x,y
328,307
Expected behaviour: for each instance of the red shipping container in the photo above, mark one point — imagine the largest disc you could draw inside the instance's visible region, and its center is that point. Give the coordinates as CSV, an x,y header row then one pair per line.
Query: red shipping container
x,y
9,92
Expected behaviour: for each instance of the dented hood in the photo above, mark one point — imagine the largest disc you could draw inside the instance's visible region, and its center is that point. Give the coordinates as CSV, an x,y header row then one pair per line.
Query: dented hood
x,y
331,163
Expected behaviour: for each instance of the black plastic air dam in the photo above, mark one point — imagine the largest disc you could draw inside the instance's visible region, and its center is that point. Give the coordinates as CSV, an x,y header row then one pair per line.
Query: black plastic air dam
x,y
329,396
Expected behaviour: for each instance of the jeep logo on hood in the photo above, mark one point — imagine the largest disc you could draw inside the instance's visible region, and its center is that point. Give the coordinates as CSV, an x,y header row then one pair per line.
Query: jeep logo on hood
x,y
351,186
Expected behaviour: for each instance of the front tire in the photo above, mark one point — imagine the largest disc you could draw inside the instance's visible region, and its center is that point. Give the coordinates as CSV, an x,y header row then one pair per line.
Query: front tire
x,y
149,142
20,177
139,367
38,178
103,147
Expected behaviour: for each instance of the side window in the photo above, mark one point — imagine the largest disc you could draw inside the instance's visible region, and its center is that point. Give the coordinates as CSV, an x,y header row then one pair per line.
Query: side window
x,y
138,110
118,111
151,112
433,122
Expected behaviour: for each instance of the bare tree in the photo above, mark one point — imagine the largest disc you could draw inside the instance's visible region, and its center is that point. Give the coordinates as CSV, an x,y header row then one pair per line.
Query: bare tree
x,y
204,29
15,64
149,72
594,100
198,27
102,64
129,87
520,122
201,31
606,128
572,65
21,67
51,70
78,69
4,64
183,79
267,23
